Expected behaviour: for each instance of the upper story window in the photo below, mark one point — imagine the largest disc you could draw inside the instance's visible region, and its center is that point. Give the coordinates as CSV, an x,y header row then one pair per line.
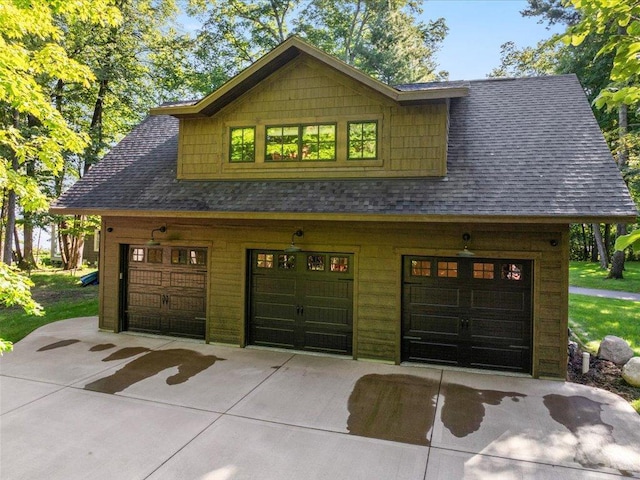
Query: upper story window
x,y
243,144
363,140
301,143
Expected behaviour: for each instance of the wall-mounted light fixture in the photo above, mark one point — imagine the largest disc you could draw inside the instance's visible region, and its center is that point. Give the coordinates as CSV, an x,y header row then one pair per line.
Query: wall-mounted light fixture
x,y
109,229
293,248
553,242
465,252
153,241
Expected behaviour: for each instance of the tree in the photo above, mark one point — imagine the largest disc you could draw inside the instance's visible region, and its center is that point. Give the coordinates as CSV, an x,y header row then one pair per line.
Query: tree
x,y
591,57
129,62
529,61
31,129
618,23
380,37
553,11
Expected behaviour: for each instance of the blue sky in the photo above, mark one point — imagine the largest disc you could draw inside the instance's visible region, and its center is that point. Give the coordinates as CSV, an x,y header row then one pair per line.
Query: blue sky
x,y
477,28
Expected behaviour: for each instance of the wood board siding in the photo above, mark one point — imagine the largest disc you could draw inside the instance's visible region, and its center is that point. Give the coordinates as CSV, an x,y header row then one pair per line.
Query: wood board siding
x,y
412,140
378,250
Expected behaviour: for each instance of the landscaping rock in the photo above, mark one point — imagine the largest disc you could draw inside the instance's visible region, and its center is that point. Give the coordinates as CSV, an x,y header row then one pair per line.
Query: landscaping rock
x,y
631,372
615,349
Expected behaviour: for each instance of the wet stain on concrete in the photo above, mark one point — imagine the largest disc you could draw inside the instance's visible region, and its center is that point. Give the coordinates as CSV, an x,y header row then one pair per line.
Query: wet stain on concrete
x,y
575,412
126,352
60,344
464,407
583,418
188,362
101,347
393,407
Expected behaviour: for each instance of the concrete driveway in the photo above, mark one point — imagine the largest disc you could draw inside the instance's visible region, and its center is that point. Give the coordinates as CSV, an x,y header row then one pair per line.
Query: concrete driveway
x,y
81,404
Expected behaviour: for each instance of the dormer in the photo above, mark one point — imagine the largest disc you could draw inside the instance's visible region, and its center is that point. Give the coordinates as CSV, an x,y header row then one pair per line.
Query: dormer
x,y
300,113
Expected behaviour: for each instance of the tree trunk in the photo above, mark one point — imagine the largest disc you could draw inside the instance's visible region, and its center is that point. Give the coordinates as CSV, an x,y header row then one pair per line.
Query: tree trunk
x,y
617,262
623,129
71,244
18,252
617,265
7,254
602,251
28,259
585,244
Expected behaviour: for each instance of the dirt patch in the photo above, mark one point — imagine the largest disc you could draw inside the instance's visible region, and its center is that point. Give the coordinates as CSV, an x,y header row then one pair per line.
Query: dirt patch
x,y
48,296
602,374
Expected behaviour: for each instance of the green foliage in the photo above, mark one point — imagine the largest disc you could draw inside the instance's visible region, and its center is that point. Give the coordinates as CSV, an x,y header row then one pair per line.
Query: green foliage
x,y
5,346
15,290
32,56
529,61
618,22
379,37
33,131
625,241
553,11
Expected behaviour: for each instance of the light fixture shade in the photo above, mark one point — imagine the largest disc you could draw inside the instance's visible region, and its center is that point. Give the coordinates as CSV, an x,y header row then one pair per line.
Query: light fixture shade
x,y
293,248
153,241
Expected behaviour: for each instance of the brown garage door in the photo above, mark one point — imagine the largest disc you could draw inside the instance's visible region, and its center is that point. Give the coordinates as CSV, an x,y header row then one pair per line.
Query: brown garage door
x,y
467,312
166,290
302,301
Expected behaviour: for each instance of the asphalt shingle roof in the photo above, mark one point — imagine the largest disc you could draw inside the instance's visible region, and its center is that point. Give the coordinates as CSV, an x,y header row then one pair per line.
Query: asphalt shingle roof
x,y
526,147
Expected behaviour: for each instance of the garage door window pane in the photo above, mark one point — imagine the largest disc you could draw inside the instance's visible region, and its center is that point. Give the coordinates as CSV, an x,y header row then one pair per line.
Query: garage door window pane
x,y
137,255
421,268
448,269
340,264
315,263
512,271
286,262
179,256
197,257
265,260
154,255
483,271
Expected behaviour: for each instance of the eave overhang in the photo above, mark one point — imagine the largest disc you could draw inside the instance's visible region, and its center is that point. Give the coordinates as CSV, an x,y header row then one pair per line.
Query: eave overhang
x,y
283,54
357,217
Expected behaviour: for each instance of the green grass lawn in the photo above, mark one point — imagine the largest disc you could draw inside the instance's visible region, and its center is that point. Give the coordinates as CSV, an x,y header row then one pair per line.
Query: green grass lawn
x,y
590,275
592,318
61,296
